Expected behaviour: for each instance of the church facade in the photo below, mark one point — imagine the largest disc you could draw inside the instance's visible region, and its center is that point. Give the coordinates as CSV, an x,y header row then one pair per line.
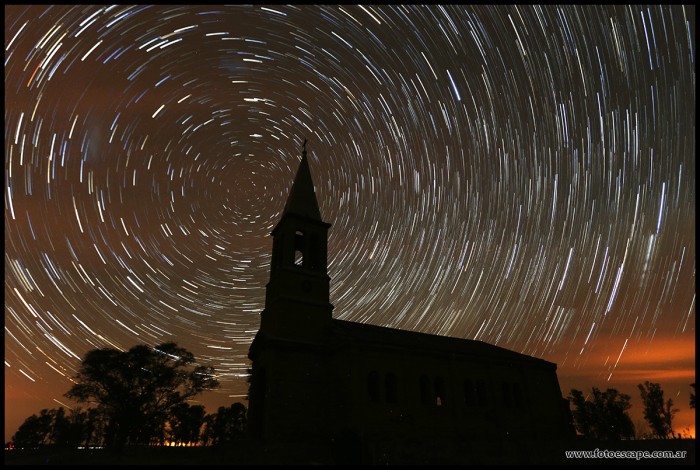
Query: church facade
x,y
327,390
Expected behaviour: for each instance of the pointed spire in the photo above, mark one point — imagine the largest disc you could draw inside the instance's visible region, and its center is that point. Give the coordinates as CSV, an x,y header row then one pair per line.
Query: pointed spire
x,y
302,197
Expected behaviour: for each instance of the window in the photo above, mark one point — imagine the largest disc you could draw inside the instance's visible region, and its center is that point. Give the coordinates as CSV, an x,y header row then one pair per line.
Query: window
x,y
481,396
390,388
373,386
439,386
425,390
469,395
507,402
299,242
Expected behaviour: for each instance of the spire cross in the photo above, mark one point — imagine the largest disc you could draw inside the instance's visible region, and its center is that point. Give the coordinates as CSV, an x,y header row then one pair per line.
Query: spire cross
x,y
304,145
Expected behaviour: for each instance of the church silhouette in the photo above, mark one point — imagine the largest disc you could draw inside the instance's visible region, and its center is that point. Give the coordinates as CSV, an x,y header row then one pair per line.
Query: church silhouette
x,y
324,390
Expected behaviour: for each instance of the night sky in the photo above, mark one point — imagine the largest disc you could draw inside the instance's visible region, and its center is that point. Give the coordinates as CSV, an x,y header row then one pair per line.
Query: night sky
x,y
519,175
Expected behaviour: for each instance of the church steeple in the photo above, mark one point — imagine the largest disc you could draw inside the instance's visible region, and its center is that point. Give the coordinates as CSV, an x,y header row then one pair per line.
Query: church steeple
x,y
297,297
302,197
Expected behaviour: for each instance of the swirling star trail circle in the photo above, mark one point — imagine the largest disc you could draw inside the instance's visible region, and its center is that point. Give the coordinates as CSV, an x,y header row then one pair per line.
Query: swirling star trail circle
x,y
519,175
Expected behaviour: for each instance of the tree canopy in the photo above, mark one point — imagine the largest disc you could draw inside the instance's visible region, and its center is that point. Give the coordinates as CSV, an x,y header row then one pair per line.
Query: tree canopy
x,y
692,396
604,416
657,412
227,425
137,390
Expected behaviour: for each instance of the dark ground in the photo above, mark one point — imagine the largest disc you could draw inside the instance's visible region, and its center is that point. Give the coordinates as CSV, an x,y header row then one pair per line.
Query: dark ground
x,y
246,453
129,456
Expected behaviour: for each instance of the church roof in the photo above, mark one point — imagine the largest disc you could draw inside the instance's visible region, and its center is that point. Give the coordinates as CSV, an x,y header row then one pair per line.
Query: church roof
x,y
378,336
342,334
302,197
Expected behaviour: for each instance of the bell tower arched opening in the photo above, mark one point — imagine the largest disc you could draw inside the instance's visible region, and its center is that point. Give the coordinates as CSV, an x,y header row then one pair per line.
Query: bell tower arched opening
x,y
299,248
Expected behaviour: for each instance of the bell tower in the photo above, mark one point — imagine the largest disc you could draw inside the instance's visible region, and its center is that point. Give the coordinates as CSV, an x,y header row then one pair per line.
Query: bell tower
x,y
297,302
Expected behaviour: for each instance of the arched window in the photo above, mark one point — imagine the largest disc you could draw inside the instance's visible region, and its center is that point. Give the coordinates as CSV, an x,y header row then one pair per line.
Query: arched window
x,y
507,402
390,388
469,395
299,248
439,387
425,390
373,386
481,396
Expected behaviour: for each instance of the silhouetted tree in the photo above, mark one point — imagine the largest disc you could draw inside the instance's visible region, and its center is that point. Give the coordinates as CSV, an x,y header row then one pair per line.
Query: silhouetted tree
x,y
657,412
186,423
152,432
34,431
68,430
136,390
80,428
55,427
692,396
208,437
95,427
61,427
604,416
225,425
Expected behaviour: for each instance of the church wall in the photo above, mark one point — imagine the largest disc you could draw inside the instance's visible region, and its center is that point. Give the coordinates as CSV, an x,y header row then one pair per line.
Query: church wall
x,y
450,395
298,398
315,394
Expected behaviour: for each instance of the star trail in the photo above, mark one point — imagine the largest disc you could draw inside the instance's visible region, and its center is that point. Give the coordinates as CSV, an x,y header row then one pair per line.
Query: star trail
x,y
519,175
